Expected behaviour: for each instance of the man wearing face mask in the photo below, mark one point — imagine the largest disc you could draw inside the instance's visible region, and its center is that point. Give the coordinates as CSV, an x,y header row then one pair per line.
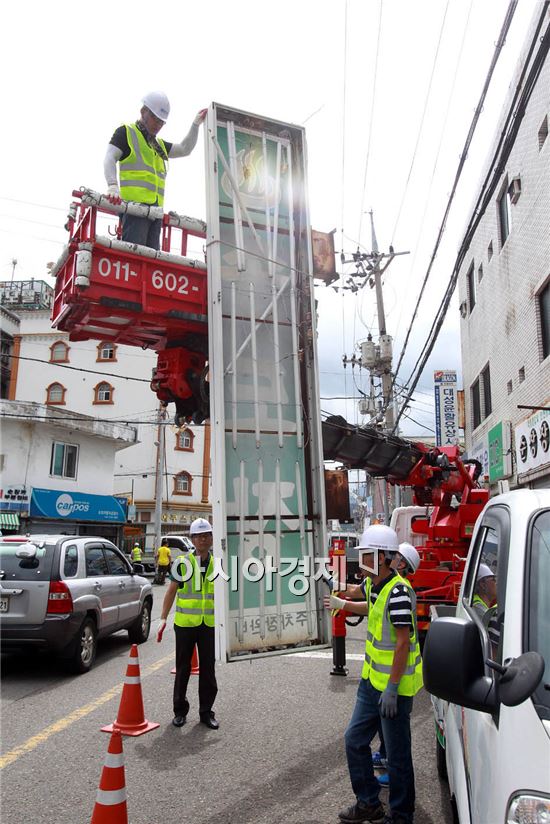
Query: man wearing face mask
x,y
391,676
142,158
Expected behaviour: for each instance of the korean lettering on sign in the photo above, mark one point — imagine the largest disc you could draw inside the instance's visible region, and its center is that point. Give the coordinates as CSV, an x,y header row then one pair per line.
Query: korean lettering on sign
x,y
446,408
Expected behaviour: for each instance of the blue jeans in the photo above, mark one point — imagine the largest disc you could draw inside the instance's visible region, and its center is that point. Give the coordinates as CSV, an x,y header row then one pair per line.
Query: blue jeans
x,y
362,728
141,230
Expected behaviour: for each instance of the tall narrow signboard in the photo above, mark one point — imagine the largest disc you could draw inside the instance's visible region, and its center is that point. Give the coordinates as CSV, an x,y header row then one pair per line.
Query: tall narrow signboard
x,y
267,467
446,408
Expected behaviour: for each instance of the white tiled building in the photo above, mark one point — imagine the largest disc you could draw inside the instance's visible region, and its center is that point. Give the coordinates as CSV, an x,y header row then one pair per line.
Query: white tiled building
x,y
111,382
504,284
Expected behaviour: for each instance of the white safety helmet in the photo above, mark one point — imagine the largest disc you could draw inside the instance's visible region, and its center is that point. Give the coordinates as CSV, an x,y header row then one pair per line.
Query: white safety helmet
x,y
484,572
199,526
379,537
410,554
158,103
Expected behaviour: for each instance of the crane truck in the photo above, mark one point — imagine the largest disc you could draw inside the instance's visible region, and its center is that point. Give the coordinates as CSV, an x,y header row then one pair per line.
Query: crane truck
x,y
445,486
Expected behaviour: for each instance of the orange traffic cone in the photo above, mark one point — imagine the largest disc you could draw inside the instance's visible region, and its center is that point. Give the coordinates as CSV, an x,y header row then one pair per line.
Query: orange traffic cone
x,y
131,717
110,805
194,663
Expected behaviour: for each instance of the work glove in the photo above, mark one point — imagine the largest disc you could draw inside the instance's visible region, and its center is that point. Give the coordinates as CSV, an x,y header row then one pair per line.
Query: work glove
x,y
332,582
199,117
388,701
113,194
337,603
160,630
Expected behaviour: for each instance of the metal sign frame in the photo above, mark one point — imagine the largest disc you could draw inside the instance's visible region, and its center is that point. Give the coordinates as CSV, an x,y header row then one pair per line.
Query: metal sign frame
x,y
267,459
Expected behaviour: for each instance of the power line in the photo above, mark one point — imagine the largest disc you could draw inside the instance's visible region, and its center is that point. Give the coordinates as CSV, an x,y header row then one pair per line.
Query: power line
x,y
88,419
435,165
371,117
516,113
421,126
77,368
463,156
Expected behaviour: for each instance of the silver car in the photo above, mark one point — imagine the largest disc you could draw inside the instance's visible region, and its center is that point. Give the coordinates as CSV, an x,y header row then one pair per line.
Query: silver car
x,y
62,593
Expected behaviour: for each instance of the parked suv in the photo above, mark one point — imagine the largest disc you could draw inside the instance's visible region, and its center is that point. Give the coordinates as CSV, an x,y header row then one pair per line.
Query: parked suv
x,y
62,593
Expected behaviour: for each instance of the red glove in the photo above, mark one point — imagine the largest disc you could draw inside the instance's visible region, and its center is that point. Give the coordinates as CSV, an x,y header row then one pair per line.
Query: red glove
x,y
161,628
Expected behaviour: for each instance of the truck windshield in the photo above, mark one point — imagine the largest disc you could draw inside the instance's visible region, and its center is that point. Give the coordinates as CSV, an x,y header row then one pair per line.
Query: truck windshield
x,y
539,605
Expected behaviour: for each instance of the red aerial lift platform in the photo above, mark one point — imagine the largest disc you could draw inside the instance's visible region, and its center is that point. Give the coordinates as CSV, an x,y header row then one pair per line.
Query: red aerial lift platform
x,y
110,290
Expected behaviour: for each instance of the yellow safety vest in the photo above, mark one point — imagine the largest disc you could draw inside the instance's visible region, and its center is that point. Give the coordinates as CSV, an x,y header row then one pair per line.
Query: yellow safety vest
x,y
195,597
381,644
143,172
136,554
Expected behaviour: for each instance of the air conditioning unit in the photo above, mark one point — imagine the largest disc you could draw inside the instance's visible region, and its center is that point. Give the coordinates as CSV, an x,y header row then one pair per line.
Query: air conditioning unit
x,y
514,189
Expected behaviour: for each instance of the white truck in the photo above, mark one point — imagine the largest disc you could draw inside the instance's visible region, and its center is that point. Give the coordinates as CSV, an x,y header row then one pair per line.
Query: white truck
x,y
489,674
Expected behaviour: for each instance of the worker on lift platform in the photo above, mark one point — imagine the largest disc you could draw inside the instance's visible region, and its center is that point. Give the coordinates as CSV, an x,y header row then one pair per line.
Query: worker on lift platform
x,y
143,162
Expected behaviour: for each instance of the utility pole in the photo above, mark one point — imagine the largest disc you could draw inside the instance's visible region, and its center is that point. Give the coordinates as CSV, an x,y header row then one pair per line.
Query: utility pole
x,y
376,357
159,473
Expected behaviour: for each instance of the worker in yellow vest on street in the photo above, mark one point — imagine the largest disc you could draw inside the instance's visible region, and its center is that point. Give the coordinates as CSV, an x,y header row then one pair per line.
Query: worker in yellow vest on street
x,y
391,676
135,555
192,586
143,162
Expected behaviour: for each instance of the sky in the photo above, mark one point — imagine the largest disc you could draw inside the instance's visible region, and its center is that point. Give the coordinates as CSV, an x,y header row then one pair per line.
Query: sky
x,y
386,90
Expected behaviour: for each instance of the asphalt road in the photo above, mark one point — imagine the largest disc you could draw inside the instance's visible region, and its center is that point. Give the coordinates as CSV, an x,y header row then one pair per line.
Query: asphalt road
x,y
278,755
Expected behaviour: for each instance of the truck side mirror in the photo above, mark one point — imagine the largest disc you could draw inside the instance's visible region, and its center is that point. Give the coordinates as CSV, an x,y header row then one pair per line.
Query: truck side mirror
x,y
138,568
519,677
454,665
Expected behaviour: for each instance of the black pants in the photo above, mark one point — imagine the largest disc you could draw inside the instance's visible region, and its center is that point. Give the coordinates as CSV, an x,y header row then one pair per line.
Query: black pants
x,y
186,638
141,230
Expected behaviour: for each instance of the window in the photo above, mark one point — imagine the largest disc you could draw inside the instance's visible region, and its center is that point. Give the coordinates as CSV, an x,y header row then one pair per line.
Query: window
x,y
490,251
103,393
539,605
70,565
55,394
521,374
471,287
106,351
543,132
544,315
59,352
480,397
95,561
476,405
480,273
145,517
184,441
486,380
509,387
64,460
504,215
116,564
182,484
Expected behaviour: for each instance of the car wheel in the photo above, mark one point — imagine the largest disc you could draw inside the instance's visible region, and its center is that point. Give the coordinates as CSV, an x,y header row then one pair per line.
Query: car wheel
x,y
139,631
85,647
441,760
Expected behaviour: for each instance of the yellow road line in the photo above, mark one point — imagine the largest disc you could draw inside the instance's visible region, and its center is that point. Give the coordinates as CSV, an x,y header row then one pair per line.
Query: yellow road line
x,y
58,726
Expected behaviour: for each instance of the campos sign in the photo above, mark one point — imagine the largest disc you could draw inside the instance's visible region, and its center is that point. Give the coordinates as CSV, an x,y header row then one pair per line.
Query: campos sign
x,y
446,408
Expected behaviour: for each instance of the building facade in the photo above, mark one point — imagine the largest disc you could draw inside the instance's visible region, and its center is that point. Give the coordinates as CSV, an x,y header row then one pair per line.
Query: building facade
x,y
112,383
57,474
504,283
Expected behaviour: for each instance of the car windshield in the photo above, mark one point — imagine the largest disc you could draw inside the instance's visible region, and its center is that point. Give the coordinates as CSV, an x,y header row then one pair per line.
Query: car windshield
x,y
539,605
13,568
